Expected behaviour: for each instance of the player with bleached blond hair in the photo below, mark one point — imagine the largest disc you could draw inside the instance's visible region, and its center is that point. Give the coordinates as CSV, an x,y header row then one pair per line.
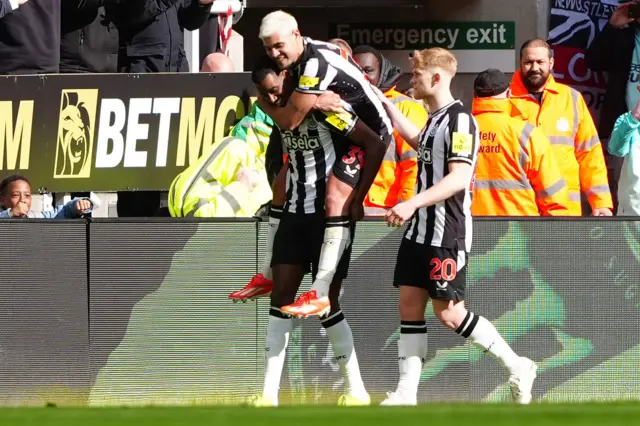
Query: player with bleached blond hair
x,y
432,258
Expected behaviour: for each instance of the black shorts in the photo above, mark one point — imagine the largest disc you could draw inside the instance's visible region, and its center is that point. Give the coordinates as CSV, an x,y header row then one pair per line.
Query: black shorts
x,y
299,242
348,166
439,270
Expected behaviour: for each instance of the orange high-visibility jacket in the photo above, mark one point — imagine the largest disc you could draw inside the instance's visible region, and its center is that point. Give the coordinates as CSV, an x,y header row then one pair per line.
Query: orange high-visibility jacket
x,y
566,121
516,172
396,180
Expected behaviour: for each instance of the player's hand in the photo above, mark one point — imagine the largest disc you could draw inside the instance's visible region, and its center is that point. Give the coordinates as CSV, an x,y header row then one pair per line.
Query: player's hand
x,y
356,211
20,210
620,16
385,101
203,2
82,206
401,213
329,102
601,212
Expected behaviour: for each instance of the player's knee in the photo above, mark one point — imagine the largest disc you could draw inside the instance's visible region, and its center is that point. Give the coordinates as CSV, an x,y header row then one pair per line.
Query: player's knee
x,y
337,197
281,298
335,203
411,309
450,315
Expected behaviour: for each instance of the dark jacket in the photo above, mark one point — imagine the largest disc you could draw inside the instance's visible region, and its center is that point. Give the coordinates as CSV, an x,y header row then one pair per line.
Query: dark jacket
x,y
152,33
612,51
30,39
389,74
89,40
5,8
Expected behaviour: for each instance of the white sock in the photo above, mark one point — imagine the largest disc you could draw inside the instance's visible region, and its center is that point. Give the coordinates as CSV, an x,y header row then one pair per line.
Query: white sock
x,y
341,338
484,335
278,331
274,221
412,351
337,237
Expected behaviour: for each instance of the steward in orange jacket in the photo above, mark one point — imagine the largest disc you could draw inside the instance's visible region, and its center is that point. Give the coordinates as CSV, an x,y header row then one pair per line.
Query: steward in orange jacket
x,y
516,173
561,113
396,180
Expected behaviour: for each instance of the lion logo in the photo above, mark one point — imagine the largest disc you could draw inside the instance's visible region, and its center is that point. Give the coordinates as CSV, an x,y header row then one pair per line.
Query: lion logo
x,y
75,133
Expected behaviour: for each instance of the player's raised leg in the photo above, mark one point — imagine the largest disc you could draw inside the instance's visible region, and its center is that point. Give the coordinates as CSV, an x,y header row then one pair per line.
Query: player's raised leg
x,y
337,239
261,284
448,287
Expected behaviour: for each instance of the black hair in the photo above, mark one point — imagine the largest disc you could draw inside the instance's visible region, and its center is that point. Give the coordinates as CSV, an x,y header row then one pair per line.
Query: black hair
x,y
536,42
364,48
4,185
263,67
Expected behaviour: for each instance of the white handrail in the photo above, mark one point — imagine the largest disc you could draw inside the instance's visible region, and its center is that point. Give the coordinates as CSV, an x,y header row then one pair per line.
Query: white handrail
x,y
222,6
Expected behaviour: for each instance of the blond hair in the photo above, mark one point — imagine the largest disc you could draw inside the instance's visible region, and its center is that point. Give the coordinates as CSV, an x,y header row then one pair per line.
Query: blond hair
x,y
435,57
278,22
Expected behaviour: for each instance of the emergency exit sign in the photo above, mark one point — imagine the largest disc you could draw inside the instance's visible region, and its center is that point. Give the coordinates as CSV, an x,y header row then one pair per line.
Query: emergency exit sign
x,y
477,45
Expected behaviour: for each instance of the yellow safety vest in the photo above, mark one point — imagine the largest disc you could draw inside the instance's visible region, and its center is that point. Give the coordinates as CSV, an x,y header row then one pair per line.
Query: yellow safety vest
x,y
208,188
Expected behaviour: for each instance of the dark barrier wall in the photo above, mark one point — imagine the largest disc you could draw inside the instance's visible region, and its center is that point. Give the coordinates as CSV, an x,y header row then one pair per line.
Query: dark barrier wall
x,y
44,327
87,132
564,293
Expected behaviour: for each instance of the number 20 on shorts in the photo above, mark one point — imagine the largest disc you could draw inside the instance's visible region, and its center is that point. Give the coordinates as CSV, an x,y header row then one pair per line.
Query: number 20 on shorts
x,y
443,269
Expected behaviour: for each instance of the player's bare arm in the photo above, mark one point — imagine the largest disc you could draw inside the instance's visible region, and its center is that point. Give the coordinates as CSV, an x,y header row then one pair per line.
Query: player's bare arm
x,y
455,181
290,116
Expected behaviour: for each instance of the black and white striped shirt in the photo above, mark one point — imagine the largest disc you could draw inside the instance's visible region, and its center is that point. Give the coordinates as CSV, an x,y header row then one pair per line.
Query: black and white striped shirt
x,y
451,134
324,66
314,146
313,149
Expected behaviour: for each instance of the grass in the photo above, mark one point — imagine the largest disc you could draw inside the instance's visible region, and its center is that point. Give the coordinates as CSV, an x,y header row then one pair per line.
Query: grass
x,y
429,414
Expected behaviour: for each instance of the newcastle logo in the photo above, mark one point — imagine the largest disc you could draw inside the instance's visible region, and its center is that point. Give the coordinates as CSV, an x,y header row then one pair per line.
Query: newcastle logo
x,y
76,126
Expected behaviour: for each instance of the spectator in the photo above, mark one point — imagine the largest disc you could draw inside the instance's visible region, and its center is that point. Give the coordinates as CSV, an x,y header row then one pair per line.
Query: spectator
x,y
563,116
616,50
8,6
516,172
396,179
89,39
152,32
625,142
230,179
151,36
217,62
30,38
15,201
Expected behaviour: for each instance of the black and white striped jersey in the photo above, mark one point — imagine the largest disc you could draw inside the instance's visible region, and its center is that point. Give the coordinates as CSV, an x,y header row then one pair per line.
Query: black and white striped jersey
x,y
313,149
324,66
451,134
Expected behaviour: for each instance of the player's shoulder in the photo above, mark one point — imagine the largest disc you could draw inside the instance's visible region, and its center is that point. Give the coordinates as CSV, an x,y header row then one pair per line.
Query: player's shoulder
x,y
458,109
315,48
461,115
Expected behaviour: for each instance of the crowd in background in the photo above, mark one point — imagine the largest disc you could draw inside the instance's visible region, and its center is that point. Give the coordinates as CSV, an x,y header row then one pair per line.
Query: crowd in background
x,y
551,162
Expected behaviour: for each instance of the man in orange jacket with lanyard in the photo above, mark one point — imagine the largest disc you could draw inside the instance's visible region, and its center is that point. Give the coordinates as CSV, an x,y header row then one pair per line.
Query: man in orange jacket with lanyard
x,y
563,116
516,172
396,179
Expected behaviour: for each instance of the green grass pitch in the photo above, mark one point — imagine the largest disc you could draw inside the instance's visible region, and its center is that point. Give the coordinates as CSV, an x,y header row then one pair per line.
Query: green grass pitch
x,y
430,414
